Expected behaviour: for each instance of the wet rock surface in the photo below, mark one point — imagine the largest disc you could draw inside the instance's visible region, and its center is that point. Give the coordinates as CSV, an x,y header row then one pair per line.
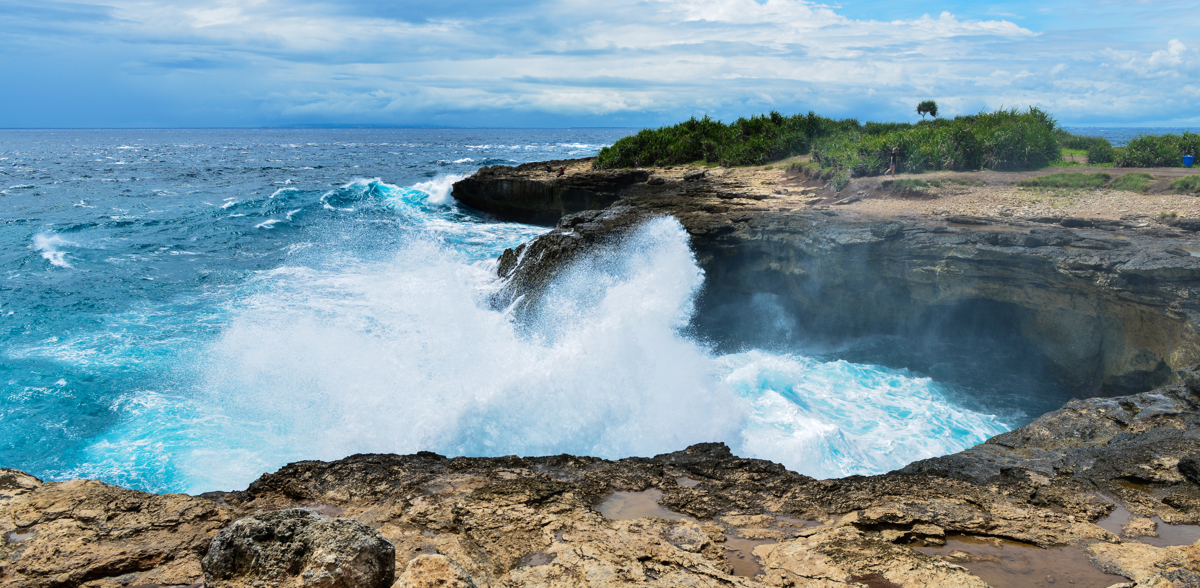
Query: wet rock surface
x,y
1113,306
536,521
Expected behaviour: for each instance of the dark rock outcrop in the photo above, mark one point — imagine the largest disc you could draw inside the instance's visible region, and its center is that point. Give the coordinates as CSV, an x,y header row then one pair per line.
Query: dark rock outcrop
x,y
297,547
530,194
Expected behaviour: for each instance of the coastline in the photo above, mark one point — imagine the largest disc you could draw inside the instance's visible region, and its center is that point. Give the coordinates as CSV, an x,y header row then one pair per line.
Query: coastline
x,y
539,521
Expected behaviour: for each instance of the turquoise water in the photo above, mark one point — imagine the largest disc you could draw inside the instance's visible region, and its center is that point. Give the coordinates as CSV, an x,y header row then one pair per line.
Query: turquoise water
x,y
185,310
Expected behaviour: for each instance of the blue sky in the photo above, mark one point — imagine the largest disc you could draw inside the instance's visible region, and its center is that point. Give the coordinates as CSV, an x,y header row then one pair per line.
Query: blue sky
x,y
531,63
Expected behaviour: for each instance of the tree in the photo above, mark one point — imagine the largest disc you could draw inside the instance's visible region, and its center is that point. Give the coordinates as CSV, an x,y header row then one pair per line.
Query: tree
x,y
927,107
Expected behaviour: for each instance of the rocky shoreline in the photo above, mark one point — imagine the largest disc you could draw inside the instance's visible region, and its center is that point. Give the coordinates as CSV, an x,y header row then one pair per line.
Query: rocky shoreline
x,y
539,521
1114,481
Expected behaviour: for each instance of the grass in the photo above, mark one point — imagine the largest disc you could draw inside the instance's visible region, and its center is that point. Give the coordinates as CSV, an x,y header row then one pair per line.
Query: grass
x,y
909,185
1186,184
966,181
1132,182
1069,181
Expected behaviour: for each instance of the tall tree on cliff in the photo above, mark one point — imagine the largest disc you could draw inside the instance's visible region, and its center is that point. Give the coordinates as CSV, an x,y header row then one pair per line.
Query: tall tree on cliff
x,y
927,107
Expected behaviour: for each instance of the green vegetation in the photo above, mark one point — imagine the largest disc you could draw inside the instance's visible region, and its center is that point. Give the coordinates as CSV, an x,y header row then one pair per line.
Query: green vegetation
x,y
1157,150
966,181
1101,152
1097,149
1004,139
753,141
909,186
927,107
1070,181
1132,182
1186,184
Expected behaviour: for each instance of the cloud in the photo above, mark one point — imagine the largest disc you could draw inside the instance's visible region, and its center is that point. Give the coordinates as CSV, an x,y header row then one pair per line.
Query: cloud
x,y
483,63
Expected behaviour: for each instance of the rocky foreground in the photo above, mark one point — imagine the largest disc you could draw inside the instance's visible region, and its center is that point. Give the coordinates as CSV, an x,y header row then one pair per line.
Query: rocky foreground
x,y
1111,481
426,520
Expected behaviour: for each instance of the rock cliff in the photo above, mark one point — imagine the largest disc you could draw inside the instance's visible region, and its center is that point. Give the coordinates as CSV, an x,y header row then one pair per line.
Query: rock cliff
x,y
1111,304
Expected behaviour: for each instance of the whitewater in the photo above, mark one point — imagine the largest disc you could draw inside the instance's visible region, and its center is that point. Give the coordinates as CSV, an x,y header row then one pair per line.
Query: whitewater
x,y
186,310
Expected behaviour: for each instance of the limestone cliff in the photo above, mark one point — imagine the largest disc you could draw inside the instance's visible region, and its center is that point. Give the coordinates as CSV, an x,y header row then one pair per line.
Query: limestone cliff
x,y
1113,305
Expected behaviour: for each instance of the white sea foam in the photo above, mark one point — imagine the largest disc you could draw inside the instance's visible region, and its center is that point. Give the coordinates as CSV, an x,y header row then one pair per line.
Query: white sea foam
x,y
464,160
50,244
439,188
322,360
267,224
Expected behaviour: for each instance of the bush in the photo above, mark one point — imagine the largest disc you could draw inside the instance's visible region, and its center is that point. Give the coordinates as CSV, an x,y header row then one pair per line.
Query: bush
x,y
1005,139
1071,181
844,149
753,141
1157,150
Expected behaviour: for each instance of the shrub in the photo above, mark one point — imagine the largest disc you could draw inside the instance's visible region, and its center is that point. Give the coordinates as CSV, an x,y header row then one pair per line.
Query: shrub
x,y
1133,182
1157,150
1005,139
753,141
1186,184
1100,152
1072,181
844,149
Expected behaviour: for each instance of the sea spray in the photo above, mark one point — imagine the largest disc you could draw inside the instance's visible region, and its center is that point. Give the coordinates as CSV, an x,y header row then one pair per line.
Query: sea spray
x,y
186,349
345,356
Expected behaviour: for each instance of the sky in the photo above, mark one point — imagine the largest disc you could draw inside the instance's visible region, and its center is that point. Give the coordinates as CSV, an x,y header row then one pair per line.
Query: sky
x,y
576,63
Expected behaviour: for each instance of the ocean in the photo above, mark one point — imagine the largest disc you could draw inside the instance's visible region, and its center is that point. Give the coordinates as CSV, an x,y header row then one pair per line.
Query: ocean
x,y
184,310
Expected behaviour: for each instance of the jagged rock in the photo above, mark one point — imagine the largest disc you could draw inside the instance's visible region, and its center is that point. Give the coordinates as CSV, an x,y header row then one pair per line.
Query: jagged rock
x,y
1190,468
86,533
1148,566
15,483
434,571
297,547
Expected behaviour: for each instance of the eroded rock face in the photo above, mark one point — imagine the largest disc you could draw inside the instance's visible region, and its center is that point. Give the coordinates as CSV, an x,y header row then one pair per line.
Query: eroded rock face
x,y
86,533
297,547
1113,307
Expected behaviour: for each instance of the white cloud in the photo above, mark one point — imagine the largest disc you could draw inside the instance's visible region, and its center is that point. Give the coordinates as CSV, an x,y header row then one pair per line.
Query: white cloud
x,y
316,60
